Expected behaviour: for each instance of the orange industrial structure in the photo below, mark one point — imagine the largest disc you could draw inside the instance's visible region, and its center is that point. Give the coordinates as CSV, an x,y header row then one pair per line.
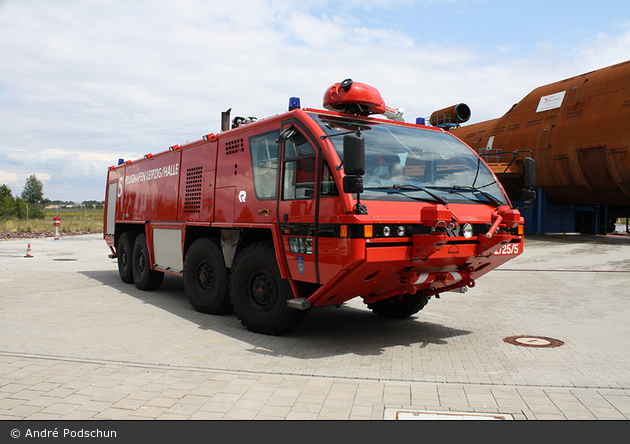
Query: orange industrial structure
x,y
578,130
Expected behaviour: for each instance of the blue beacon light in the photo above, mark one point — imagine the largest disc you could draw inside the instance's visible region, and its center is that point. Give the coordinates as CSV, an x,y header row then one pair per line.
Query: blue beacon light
x,y
294,103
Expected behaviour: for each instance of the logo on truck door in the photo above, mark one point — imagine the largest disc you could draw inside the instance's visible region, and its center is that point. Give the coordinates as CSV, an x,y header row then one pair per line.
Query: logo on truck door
x,y
242,196
300,264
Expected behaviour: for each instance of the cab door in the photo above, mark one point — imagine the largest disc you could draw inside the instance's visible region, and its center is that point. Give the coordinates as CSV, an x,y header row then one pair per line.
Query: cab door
x,y
298,203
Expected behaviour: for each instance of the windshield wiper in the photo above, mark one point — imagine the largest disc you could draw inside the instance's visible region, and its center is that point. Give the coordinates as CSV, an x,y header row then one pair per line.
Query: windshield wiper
x,y
488,196
410,188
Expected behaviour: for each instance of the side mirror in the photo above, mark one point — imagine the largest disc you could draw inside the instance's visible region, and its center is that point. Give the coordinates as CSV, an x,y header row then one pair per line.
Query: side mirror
x,y
353,155
530,172
529,177
528,196
352,184
286,134
354,167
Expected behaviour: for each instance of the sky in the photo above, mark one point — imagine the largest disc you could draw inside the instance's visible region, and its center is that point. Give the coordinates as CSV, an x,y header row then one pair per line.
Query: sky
x,y
86,82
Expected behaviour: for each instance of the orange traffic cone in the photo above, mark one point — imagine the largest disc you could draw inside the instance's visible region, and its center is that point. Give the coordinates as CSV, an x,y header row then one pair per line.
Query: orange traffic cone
x,y
28,251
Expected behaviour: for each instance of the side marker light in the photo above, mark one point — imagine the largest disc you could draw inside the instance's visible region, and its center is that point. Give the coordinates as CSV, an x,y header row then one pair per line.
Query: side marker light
x,y
368,231
343,231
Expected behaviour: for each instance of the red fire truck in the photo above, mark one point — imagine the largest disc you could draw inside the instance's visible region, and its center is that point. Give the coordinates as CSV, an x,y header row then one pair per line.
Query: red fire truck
x,y
272,217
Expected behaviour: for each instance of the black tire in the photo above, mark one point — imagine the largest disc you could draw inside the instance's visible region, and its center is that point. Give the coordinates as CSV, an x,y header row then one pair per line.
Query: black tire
x,y
259,295
143,276
124,252
397,308
206,278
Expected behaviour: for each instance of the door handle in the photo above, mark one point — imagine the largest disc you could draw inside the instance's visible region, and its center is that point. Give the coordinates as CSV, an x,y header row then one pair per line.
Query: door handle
x,y
286,217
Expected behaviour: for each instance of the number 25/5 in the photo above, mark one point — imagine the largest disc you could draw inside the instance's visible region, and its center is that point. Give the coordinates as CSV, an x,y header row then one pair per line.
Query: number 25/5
x,y
508,249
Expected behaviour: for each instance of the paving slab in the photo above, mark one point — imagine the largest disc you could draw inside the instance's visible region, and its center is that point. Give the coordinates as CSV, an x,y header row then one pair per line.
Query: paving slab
x,y
76,343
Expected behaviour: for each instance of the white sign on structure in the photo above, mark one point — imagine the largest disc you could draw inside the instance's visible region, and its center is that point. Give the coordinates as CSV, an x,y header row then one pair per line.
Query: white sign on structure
x,y
490,142
551,101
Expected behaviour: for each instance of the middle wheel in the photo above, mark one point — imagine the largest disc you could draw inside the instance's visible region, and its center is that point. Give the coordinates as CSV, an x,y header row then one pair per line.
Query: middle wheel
x,y
259,294
205,278
144,277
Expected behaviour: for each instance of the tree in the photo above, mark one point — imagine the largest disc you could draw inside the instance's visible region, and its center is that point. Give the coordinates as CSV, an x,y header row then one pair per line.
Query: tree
x,y
21,210
30,205
33,192
7,202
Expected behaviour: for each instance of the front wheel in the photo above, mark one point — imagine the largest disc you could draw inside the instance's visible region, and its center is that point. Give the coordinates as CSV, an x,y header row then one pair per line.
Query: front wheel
x,y
397,307
259,295
143,276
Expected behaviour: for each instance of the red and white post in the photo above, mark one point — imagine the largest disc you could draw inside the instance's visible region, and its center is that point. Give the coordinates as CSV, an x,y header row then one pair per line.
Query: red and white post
x,y
57,225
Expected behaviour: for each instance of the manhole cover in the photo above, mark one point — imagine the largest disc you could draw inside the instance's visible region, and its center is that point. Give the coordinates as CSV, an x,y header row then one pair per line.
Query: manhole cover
x,y
533,341
428,415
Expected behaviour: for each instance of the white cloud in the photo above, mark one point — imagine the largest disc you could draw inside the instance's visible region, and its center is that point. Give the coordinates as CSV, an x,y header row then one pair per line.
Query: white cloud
x,y
85,83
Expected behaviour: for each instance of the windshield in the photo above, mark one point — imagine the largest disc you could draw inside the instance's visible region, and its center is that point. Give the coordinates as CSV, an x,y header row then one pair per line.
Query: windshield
x,y
403,163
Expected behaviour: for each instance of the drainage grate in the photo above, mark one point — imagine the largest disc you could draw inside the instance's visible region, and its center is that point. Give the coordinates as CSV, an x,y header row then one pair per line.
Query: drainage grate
x,y
65,260
533,341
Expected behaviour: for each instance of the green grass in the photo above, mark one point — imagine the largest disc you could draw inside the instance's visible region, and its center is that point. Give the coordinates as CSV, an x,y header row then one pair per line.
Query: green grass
x,y
72,220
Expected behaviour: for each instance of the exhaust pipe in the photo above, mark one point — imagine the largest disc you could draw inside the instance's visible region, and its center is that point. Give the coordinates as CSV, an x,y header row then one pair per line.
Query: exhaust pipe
x,y
225,120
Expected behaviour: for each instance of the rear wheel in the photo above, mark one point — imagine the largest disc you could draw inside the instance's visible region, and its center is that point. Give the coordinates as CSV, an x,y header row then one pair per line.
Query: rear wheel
x,y
398,308
205,278
259,295
143,276
124,252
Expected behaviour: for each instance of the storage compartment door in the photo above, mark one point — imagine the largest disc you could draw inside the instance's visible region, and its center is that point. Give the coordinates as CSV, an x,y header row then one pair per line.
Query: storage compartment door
x,y
167,250
112,194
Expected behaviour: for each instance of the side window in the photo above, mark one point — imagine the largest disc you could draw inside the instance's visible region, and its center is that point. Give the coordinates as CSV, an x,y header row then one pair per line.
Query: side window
x,y
329,187
299,168
264,152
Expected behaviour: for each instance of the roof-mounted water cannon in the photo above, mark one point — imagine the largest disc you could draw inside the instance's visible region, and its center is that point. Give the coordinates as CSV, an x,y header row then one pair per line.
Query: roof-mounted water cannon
x,y
394,113
354,98
450,117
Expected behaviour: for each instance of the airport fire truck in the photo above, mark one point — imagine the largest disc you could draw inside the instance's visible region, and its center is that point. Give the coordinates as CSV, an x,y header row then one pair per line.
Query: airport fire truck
x,y
270,218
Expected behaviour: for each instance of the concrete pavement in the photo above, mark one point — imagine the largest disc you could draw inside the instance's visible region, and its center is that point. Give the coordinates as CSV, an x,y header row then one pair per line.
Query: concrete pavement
x,y
77,343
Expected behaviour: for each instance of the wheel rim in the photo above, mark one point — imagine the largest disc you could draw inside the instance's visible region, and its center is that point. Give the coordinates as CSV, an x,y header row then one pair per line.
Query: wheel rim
x,y
124,259
262,290
141,262
205,276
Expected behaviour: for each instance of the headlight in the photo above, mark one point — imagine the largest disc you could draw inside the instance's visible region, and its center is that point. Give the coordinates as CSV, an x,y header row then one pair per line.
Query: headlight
x,y
400,231
468,231
387,231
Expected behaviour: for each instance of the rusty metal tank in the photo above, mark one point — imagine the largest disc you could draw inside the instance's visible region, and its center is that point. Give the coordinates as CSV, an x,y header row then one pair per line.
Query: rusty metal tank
x,y
579,132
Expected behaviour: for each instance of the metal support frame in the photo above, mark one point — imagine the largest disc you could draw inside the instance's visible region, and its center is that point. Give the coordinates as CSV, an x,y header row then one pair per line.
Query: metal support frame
x,y
541,221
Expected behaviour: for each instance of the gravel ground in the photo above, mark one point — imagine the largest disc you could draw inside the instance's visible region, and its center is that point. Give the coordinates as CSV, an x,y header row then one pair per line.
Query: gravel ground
x,y
43,234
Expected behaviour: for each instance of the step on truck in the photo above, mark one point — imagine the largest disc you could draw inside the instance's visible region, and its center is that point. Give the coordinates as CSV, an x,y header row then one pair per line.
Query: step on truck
x,y
271,218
